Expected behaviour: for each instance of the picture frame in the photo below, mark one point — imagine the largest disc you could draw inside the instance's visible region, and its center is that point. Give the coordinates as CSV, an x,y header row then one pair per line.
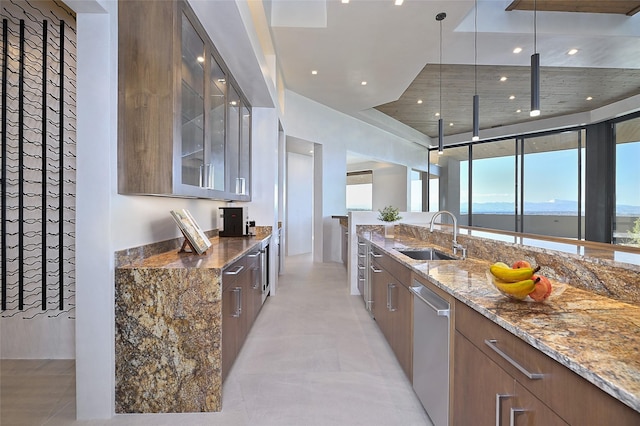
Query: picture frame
x,y
193,234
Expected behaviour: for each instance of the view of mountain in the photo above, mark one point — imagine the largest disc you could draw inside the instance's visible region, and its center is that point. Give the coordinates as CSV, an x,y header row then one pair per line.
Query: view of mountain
x,y
552,207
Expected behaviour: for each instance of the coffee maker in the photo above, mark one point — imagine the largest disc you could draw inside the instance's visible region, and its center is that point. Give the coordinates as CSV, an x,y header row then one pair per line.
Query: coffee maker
x,y
234,222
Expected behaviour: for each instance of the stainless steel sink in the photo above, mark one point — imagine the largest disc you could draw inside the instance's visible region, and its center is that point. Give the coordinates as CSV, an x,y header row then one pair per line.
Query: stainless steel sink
x,y
426,254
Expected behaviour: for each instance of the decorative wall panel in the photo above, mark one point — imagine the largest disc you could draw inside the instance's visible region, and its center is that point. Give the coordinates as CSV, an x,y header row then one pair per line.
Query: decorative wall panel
x,y
38,60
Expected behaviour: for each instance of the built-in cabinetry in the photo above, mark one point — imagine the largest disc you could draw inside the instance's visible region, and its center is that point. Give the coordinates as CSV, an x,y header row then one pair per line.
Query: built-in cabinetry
x,y
500,379
241,303
184,126
393,305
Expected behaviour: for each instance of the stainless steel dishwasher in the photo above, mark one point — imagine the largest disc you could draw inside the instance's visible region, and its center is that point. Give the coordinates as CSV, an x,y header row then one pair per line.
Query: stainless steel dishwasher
x,y
431,352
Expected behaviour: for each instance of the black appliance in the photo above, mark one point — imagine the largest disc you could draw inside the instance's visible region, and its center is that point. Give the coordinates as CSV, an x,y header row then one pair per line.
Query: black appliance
x,y
234,222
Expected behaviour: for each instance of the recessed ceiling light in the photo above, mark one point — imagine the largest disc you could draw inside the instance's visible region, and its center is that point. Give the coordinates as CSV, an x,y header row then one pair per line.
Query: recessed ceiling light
x,y
572,52
437,114
518,111
419,101
589,98
450,124
345,1
512,97
399,2
364,83
314,72
503,78
201,59
517,50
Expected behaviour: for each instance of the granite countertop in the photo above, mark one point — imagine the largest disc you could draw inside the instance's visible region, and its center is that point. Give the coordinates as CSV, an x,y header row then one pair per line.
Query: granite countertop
x,y
596,337
223,251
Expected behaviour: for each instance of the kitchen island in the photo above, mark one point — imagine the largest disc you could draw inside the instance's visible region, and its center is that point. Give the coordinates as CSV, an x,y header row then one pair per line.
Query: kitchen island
x,y
595,336
169,321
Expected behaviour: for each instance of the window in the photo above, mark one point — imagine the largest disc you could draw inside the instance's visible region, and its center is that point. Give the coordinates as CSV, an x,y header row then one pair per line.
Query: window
x,y
627,181
453,169
550,185
493,182
360,191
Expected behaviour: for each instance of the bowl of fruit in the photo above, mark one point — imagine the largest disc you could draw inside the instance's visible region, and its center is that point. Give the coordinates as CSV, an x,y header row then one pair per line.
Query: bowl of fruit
x,y
521,281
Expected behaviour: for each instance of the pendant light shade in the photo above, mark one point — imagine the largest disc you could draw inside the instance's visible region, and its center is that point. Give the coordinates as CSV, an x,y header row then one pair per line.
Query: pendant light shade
x,y
476,118
476,98
440,136
535,85
440,17
535,68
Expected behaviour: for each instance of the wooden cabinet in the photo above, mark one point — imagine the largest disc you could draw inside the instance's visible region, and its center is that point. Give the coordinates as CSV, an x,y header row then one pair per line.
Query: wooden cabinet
x,y
184,126
393,306
490,361
234,313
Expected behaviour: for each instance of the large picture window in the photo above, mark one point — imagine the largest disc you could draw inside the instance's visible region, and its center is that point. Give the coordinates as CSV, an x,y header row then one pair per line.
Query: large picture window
x,y
627,197
360,191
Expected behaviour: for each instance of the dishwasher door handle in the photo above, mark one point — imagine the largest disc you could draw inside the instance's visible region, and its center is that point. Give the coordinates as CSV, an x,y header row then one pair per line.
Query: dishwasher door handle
x,y
428,299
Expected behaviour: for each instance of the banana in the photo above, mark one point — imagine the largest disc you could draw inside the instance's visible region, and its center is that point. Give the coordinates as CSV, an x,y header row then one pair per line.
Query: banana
x,y
518,290
505,273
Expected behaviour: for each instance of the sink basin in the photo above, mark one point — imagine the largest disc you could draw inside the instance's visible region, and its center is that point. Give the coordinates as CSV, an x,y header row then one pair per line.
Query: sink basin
x,y
426,254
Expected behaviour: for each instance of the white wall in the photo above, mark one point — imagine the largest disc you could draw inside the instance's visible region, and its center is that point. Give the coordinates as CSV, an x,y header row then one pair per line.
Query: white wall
x,y
300,208
339,133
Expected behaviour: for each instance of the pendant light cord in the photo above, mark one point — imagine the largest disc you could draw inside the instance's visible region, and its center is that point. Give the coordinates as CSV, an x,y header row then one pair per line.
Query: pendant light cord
x,y
475,49
535,26
440,69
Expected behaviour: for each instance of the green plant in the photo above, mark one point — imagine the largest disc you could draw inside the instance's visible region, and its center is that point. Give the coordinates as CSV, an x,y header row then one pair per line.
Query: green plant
x,y
389,214
635,232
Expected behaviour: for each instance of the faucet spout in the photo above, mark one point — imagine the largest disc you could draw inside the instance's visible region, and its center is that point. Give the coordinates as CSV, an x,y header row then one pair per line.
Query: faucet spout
x,y
456,246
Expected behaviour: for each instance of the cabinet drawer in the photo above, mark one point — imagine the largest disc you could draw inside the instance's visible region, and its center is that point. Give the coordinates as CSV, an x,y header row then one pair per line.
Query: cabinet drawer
x,y
573,398
399,271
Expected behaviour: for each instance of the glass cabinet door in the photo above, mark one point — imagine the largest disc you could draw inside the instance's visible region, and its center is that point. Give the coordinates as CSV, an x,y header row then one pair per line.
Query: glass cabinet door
x,y
192,114
245,148
215,161
236,185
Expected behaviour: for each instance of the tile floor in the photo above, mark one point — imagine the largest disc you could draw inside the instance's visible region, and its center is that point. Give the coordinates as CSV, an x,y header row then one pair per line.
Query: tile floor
x,y
313,357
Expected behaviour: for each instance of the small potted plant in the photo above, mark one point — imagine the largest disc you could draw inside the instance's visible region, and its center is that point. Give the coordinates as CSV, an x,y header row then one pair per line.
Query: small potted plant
x,y
389,214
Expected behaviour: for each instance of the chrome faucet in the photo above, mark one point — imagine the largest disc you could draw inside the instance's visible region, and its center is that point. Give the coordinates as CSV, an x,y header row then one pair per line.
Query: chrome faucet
x,y
456,246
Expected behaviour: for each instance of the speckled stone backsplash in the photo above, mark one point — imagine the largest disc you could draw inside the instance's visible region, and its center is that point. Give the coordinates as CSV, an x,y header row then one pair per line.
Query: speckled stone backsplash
x,y
606,277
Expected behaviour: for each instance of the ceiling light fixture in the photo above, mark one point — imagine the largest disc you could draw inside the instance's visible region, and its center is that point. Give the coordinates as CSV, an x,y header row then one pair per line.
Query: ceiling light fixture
x,y
364,83
572,51
589,98
399,2
512,97
503,78
345,1
476,98
535,68
440,17
314,72
419,101
517,50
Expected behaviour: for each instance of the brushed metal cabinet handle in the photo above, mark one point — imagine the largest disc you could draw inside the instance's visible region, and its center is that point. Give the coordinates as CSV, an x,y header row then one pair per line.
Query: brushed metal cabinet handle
x,y
390,287
492,344
499,398
514,413
235,271
376,271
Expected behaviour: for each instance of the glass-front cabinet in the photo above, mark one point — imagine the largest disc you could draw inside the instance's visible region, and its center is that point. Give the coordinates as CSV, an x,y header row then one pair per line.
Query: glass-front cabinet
x,y
185,124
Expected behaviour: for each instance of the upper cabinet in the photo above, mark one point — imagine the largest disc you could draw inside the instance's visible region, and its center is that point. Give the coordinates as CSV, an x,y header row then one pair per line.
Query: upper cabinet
x,y
184,125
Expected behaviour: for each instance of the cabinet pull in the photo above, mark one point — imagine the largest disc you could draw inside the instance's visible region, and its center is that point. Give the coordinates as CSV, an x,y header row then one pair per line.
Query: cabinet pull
x,y
374,254
256,254
492,344
499,398
514,413
376,271
390,288
235,270
362,244
361,267
238,310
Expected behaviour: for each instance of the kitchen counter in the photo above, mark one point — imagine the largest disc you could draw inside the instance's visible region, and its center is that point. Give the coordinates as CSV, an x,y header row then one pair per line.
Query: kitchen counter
x,y
596,337
169,326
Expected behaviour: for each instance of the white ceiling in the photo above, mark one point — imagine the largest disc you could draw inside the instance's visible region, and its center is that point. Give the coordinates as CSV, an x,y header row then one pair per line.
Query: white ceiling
x,y
387,45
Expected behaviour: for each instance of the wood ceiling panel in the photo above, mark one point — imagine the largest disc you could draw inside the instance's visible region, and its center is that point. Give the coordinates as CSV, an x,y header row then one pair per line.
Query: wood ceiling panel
x,y
563,90
621,7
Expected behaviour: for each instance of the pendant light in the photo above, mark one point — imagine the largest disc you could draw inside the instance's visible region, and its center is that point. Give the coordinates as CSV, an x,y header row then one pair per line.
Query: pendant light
x,y
476,98
535,69
440,17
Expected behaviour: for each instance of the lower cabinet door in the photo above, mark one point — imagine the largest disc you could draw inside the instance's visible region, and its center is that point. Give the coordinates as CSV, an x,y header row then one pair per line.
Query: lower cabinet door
x,y
231,305
482,391
527,410
402,335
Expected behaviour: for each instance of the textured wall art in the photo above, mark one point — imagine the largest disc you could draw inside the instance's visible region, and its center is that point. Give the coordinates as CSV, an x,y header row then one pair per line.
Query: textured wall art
x,y
38,60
